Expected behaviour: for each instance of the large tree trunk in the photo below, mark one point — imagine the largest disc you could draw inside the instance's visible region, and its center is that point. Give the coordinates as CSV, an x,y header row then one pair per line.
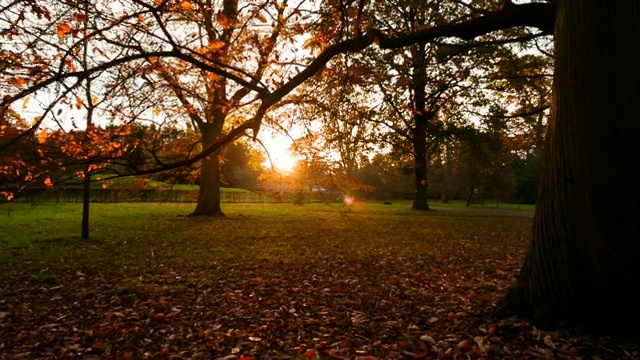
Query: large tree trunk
x,y
419,132
421,200
209,192
583,267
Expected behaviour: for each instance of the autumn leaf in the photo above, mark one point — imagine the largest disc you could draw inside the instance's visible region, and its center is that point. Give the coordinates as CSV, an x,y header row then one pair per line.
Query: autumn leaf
x,y
216,45
7,195
18,81
79,102
48,183
63,30
25,102
157,111
36,120
260,17
186,5
298,29
80,17
223,20
42,137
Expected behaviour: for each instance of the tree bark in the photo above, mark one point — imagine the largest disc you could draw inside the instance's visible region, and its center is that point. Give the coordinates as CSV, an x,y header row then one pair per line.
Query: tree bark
x,y
421,121
421,201
86,183
583,266
209,192
445,166
86,203
470,196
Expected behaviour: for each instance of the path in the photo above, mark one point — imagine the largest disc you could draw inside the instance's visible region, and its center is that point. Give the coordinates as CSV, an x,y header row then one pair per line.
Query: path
x,y
488,211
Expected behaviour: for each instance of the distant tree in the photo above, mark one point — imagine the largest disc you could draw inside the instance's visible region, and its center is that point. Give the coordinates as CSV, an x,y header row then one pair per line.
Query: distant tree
x,y
477,155
389,177
241,166
526,175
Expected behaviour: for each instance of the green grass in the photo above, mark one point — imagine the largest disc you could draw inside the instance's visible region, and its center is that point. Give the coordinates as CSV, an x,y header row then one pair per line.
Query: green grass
x,y
47,233
143,234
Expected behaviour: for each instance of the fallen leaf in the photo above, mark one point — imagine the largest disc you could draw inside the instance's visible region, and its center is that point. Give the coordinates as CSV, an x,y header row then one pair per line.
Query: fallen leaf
x,y
428,339
310,353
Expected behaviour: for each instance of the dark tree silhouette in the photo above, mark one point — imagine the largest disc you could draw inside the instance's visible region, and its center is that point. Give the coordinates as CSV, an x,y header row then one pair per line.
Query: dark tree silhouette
x,y
582,267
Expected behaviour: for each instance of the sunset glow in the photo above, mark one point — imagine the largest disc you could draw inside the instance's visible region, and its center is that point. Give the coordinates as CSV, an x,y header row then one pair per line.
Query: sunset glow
x,y
279,156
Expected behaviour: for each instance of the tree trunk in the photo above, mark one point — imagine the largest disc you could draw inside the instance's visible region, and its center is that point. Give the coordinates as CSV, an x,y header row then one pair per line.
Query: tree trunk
x,y
421,201
86,202
86,184
583,266
470,196
419,132
444,179
444,195
209,192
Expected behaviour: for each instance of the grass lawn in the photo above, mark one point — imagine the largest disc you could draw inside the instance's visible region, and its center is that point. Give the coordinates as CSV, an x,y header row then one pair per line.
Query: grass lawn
x,y
273,281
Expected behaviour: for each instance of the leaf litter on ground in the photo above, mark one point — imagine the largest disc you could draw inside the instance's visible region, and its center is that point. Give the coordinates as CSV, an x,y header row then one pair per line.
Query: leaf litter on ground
x,y
324,284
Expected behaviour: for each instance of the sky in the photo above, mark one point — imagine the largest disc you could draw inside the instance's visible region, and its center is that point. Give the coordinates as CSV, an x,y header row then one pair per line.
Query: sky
x,y
278,147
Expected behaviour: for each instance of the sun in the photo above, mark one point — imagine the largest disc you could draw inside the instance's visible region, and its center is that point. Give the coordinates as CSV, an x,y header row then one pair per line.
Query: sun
x,y
284,162
278,151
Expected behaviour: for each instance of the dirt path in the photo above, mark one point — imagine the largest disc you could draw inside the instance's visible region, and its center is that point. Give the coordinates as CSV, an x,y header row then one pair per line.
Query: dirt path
x,y
488,211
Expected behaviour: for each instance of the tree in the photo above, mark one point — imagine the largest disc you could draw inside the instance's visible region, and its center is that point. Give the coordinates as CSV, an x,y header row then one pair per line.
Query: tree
x,y
412,99
90,108
241,166
526,174
477,154
582,266
389,176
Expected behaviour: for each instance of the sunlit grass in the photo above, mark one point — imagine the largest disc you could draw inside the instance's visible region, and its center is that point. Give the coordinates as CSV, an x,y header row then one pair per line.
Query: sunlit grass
x,y
143,235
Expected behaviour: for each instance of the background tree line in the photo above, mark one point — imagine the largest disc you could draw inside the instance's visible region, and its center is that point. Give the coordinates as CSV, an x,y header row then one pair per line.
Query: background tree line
x,y
384,177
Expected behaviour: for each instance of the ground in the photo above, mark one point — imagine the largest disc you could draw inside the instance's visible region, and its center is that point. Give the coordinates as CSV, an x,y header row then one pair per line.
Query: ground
x,y
301,283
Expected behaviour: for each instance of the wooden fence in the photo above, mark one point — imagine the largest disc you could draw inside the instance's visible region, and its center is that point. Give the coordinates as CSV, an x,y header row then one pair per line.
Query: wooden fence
x,y
72,195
